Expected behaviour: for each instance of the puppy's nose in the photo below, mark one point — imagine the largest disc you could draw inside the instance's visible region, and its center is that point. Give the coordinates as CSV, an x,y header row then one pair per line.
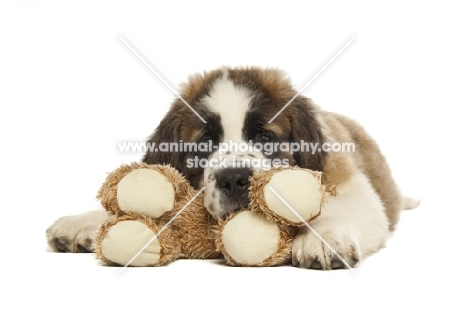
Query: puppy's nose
x,y
234,182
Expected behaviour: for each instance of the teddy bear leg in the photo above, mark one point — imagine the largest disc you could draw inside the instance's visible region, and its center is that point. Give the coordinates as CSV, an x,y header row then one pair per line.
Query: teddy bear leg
x,y
294,196
135,241
145,191
248,239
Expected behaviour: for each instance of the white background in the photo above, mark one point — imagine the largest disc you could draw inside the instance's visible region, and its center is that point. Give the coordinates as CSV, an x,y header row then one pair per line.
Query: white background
x,y
76,91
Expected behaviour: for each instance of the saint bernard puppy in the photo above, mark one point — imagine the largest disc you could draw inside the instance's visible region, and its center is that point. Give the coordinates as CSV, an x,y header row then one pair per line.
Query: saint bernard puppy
x,y
235,106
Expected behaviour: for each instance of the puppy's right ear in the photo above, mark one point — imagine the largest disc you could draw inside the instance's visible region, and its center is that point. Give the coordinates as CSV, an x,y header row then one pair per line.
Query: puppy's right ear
x,y
166,132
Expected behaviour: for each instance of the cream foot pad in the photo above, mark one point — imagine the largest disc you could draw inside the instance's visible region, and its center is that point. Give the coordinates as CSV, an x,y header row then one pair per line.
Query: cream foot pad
x,y
125,239
299,189
250,239
145,191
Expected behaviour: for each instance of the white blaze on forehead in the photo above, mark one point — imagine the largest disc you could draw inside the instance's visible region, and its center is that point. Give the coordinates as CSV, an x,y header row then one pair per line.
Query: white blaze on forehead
x,y
231,102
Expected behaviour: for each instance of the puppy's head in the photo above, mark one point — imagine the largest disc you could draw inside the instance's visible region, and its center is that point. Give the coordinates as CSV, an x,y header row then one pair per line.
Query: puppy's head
x,y
231,137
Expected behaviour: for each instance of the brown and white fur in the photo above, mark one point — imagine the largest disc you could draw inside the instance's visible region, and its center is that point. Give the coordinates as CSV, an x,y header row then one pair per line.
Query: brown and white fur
x,y
237,105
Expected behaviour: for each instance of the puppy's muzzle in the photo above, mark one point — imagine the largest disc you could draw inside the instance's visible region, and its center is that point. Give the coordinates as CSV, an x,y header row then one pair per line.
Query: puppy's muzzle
x,y
233,184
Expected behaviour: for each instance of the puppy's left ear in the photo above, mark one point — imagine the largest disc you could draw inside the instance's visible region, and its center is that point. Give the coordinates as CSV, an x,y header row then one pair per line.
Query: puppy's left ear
x,y
166,132
306,128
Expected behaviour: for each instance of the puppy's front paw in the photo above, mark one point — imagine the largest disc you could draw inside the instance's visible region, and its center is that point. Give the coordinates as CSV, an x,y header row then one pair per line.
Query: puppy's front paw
x,y
309,251
75,234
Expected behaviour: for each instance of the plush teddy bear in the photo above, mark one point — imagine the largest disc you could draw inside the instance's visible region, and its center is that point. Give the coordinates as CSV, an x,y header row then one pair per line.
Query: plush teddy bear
x,y
157,217
281,200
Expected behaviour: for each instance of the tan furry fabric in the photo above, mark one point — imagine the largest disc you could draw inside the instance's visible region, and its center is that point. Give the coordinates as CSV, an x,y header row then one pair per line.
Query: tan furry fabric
x,y
194,233
190,235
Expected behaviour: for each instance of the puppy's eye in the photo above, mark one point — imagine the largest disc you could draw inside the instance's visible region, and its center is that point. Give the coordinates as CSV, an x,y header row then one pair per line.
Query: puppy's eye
x,y
264,137
205,139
